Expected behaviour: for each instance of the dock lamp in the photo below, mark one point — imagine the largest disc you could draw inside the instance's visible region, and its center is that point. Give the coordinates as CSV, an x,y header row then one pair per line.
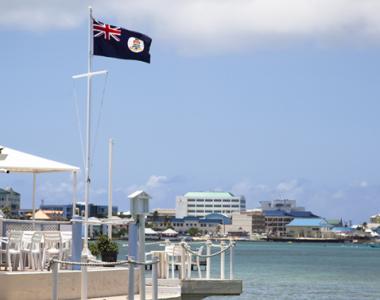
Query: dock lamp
x,y
139,207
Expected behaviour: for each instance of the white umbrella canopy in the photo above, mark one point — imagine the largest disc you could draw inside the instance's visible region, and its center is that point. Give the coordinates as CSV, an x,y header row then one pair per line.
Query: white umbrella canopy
x,y
14,161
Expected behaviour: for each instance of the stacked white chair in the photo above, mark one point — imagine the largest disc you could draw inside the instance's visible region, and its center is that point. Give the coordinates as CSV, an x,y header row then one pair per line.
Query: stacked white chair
x,y
66,244
36,251
53,247
3,251
26,244
14,249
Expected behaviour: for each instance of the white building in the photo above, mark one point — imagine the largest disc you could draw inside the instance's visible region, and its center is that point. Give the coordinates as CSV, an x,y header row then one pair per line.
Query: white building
x,y
283,205
200,204
9,198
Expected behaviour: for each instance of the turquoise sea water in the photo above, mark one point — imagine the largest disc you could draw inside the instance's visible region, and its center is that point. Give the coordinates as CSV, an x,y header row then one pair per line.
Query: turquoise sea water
x,y
305,271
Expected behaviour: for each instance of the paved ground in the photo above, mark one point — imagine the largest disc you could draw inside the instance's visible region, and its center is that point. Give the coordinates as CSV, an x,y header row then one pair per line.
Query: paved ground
x,y
167,290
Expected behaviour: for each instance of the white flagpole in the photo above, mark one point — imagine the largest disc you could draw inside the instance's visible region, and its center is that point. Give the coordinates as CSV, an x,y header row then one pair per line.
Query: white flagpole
x,y
88,158
110,146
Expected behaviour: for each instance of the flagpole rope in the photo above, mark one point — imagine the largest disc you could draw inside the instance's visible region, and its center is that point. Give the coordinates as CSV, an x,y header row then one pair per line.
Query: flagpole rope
x,y
99,118
189,250
98,263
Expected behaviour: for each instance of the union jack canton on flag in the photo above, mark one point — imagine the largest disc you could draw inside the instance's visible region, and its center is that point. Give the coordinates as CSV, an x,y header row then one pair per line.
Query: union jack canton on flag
x,y
113,41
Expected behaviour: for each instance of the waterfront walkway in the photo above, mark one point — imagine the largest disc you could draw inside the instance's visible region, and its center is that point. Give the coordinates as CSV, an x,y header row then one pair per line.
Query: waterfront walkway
x,y
168,289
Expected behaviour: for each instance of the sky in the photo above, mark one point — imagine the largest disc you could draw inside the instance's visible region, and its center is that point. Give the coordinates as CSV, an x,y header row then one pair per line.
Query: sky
x,y
267,99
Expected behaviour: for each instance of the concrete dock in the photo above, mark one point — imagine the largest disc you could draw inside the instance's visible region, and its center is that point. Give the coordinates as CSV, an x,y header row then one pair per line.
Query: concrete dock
x,y
174,289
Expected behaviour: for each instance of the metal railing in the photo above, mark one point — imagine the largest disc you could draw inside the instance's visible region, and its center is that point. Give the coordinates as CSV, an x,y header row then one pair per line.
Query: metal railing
x,y
184,255
53,265
209,245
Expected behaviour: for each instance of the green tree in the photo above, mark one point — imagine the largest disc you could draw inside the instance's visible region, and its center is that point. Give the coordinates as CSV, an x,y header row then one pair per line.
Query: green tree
x,y
193,231
7,212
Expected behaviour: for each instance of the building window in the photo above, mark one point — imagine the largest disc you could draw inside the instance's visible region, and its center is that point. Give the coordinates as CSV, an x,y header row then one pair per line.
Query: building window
x,y
217,200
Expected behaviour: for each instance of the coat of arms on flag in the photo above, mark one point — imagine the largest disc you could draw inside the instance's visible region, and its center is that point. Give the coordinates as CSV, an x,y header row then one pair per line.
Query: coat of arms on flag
x,y
118,42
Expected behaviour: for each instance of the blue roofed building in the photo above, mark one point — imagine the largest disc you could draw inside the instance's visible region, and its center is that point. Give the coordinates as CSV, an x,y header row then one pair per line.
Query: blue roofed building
x,y
276,220
309,228
280,212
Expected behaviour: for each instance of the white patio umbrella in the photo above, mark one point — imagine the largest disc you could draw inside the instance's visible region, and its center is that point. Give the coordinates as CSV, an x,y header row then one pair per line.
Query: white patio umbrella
x,y
13,161
169,232
150,231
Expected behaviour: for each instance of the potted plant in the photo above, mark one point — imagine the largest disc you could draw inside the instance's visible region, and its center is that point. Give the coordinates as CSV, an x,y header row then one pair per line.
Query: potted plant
x,y
106,248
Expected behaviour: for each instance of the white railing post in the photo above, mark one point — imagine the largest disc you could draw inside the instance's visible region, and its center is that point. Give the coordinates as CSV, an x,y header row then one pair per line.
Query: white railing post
x,y
222,258
208,259
231,259
54,293
154,278
131,280
183,261
189,257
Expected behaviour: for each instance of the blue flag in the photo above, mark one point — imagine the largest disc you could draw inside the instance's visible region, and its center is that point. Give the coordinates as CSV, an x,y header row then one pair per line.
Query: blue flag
x,y
113,41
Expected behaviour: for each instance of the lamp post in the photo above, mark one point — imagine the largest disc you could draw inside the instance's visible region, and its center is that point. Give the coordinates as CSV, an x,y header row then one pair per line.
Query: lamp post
x,y
139,207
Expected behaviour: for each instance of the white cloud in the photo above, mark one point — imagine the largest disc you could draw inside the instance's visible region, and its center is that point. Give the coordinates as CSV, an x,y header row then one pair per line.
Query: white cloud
x,y
210,25
156,181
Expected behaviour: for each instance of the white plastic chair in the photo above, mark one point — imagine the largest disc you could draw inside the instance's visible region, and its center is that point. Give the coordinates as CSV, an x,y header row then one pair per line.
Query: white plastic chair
x,y
66,244
26,244
14,249
36,251
3,252
52,246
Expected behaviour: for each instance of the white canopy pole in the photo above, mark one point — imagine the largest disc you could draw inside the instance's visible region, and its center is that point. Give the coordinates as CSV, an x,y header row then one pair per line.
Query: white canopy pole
x,y
75,178
34,200
110,146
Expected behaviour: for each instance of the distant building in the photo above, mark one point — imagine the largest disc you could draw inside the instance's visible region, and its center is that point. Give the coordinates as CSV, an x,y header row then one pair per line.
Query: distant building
x,y
278,213
200,204
10,198
309,228
52,215
375,219
276,220
283,205
94,210
182,225
162,212
335,222
247,223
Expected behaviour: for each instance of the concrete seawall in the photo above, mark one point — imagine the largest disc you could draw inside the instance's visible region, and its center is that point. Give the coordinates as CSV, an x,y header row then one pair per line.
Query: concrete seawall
x,y
38,285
